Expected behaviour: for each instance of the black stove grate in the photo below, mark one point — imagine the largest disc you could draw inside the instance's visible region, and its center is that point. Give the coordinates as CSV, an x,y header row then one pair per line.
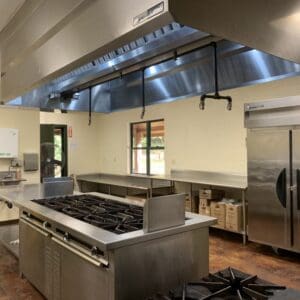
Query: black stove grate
x,y
228,284
106,214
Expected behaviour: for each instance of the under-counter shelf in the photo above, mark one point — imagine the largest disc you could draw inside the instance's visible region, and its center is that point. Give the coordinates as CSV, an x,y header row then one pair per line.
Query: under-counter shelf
x,y
211,180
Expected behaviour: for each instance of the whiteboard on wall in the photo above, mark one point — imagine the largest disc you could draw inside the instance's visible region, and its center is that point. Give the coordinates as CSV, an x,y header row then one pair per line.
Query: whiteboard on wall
x,y
9,142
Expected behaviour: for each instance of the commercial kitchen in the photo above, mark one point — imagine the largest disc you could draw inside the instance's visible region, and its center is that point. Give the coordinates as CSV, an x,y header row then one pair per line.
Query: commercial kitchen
x,y
149,150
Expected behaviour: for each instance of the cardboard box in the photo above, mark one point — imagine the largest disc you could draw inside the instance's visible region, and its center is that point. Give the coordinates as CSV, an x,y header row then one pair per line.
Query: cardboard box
x,y
204,207
218,210
211,194
234,217
188,204
192,205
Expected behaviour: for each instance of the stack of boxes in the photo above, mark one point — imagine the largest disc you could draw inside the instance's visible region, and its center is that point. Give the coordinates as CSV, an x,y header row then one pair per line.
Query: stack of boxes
x,y
227,211
209,204
234,213
204,206
192,205
218,210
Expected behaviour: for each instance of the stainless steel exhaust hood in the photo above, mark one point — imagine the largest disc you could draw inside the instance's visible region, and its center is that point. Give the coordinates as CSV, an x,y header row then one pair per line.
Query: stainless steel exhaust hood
x,y
104,43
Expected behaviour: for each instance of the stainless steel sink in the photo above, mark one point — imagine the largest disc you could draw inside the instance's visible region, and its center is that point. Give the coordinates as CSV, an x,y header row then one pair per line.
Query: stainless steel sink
x,y
10,181
8,178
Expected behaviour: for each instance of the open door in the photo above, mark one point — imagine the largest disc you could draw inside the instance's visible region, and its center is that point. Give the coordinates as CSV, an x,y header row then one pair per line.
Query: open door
x,y
54,152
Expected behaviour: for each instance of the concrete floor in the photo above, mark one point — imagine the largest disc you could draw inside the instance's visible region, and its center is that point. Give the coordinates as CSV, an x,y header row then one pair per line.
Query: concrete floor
x,y
225,250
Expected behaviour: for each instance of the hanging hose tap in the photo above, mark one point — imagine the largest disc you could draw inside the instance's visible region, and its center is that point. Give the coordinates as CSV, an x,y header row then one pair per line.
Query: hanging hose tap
x,y
216,95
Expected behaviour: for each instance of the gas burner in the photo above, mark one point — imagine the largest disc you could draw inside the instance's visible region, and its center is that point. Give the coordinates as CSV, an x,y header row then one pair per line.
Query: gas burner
x,y
109,215
228,284
74,212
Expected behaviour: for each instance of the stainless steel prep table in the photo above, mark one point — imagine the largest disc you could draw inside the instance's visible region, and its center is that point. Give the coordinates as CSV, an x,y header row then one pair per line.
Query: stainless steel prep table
x,y
148,186
210,179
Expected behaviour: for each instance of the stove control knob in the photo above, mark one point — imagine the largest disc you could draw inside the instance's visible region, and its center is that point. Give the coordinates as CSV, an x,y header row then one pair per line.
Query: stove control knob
x,y
95,251
9,204
66,236
45,224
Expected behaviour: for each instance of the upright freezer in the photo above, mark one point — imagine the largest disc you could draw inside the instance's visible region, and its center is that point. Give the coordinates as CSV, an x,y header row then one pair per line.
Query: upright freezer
x,y
273,149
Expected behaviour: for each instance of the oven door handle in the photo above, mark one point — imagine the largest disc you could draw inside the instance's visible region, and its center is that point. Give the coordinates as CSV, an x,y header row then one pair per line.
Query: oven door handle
x,y
97,263
281,187
34,227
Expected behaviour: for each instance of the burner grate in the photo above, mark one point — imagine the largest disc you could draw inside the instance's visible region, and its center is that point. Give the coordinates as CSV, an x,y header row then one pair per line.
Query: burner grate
x,y
229,284
109,215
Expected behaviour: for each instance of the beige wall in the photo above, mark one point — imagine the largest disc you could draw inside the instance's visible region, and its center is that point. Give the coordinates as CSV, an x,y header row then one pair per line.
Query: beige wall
x,y
27,122
213,139
83,147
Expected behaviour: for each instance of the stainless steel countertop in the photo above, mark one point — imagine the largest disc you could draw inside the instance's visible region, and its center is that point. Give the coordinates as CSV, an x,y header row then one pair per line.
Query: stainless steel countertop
x,y
105,240
128,181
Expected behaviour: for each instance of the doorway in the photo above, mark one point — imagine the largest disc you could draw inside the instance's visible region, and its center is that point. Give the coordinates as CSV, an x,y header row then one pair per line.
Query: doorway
x,y
54,150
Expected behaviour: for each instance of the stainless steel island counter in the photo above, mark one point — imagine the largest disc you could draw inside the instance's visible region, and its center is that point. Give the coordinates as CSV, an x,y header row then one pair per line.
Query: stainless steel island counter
x,y
66,258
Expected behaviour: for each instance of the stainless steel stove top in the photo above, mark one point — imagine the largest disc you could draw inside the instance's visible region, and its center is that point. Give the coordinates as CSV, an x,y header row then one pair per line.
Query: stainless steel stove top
x,y
107,214
229,284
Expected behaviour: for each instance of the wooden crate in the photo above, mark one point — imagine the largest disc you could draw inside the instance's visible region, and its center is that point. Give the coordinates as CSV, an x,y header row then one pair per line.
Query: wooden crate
x,y
204,207
211,194
218,210
234,217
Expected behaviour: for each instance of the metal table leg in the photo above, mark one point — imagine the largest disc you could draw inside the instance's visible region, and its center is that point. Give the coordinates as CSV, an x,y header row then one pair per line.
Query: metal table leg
x,y
244,218
173,187
151,187
191,196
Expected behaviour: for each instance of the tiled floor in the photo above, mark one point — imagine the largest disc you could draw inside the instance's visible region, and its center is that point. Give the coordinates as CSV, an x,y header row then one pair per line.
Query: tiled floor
x,y
225,250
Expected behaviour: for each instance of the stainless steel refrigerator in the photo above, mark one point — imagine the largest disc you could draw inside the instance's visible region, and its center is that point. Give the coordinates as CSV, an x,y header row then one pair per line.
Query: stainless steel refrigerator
x,y
273,195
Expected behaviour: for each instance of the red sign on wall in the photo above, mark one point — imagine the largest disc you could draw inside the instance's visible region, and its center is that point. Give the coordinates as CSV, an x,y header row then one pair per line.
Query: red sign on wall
x,y
70,131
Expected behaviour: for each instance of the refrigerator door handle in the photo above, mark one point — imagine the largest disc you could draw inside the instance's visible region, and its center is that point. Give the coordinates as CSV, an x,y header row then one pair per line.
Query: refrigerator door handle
x,y
298,188
281,187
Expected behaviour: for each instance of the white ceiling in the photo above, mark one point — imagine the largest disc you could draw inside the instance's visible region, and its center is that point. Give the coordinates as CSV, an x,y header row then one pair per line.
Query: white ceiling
x,y
8,9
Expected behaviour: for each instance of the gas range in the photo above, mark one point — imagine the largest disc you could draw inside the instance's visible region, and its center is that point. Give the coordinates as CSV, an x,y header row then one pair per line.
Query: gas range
x,y
107,214
229,284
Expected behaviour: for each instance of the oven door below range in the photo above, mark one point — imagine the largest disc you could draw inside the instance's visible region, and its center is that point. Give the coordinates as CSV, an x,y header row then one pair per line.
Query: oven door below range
x,y
76,276
62,268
